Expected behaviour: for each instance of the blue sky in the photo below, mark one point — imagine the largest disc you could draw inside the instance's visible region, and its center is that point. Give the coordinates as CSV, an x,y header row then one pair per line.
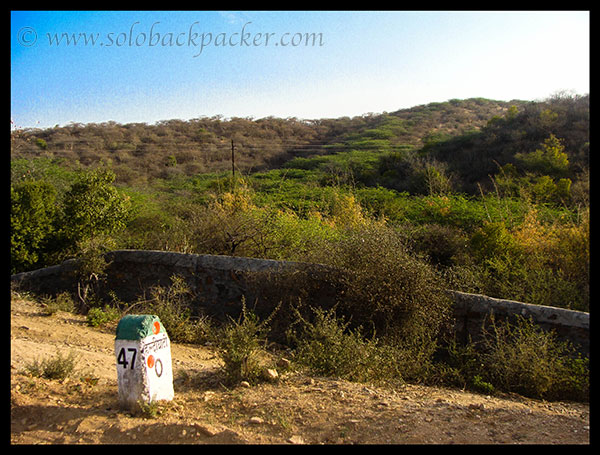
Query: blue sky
x,y
152,65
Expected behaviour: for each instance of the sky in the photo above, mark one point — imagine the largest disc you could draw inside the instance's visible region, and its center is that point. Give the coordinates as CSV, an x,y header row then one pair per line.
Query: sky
x,y
148,66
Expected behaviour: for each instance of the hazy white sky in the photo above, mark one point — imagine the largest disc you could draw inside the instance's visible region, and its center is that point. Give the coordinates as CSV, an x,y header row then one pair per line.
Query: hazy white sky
x,y
150,66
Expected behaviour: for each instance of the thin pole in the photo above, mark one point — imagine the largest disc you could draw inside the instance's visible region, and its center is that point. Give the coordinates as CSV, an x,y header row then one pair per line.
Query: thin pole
x,y
232,165
232,159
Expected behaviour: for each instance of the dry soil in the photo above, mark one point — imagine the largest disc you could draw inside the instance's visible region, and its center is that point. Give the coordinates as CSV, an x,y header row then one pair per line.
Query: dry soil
x,y
295,409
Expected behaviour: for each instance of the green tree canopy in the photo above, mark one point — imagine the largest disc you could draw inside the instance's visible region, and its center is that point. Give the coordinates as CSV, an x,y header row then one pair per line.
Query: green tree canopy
x,y
93,206
33,210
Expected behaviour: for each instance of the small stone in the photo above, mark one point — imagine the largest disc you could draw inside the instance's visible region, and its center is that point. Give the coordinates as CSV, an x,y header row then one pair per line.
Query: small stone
x,y
208,396
256,420
245,384
271,374
208,430
296,439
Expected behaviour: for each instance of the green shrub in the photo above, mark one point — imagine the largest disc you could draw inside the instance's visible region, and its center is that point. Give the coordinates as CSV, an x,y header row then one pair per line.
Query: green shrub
x,y
58,367
327,347
42,144
549,159
93,206
32,217
171,305
97,317
493,240
61,302
459,363
481,386
384,287
539,261
515,356
443,245
391,295
241,346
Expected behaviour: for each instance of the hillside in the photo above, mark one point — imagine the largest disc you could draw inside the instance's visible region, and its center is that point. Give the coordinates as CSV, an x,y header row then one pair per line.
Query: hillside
x,y
469,140
84,409
201,145
467,184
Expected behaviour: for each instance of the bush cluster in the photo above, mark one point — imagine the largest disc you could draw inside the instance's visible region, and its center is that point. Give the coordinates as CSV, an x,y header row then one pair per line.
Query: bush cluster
x,y
46,229
518,356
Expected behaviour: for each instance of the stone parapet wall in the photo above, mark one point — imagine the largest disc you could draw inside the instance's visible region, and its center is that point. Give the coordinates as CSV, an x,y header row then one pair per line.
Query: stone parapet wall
x,y
472,311
219,282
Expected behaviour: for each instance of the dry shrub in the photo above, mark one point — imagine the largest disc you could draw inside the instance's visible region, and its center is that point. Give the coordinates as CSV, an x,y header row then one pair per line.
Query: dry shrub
x,y
384,287
519,356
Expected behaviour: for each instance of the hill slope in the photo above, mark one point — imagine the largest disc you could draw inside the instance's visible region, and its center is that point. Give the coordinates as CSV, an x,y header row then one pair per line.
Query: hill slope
x,y
468,139
174,147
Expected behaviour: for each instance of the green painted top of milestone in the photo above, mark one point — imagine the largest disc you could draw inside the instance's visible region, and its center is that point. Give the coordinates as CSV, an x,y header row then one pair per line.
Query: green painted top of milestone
x,y
138,326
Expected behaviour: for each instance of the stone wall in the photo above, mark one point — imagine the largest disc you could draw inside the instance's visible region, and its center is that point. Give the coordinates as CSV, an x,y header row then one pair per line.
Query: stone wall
x,y
472,311
216,282
219,282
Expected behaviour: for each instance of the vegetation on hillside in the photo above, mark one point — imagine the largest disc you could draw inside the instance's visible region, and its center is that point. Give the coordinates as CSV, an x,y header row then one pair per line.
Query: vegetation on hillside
x,y
494,195
474,195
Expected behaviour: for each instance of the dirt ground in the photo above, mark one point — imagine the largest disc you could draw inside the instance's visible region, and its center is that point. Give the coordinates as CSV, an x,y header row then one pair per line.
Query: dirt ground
x,y
295,409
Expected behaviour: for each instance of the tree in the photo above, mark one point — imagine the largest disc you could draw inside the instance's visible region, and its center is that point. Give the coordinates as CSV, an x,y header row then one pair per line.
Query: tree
x,y
93,207
33,212
438,183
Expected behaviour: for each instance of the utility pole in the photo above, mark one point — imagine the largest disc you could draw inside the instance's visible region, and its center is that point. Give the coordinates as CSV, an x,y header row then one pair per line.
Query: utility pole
x,y
232,165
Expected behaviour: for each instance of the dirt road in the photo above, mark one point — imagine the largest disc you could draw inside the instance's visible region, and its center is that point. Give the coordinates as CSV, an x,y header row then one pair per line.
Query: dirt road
x,y
297,409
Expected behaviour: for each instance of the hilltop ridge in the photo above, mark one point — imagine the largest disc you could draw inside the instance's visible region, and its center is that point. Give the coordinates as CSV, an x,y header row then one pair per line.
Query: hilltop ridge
x,y
203,144
469,138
